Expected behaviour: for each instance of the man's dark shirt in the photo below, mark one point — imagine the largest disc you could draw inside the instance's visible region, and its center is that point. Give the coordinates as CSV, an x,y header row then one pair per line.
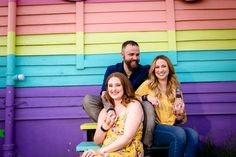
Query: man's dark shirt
x,y
138,76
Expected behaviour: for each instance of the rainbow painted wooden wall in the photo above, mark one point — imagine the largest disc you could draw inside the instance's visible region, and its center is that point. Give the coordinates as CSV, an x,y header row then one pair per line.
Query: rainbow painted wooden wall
x,y
63,49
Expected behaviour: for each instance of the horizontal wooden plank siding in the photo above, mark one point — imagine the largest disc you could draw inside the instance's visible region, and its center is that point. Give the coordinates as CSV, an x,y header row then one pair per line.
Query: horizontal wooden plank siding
x,y
107,43
206,103
63,49
205,15
209,96
192,66
39,17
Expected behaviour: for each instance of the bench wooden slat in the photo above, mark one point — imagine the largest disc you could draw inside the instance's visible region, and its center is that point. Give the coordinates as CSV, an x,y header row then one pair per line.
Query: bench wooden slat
x,y
158,147
86,146
88,126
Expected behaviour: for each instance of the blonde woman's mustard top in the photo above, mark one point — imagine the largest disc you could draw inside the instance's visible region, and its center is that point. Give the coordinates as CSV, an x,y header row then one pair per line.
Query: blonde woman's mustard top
x,y
164,111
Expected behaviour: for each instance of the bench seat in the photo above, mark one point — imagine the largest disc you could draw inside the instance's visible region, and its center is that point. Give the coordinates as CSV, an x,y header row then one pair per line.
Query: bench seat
x,y
89,144
86,146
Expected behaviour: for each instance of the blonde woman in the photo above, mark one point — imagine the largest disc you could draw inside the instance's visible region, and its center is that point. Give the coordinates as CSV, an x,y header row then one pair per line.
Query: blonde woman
x,y
160,90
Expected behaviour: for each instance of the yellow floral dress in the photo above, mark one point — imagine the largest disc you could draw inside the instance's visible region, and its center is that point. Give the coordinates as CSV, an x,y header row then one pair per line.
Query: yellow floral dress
x,y
133,149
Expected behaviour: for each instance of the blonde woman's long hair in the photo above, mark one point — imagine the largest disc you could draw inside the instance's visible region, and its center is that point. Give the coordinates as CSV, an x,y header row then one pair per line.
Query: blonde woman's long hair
x,y
172,81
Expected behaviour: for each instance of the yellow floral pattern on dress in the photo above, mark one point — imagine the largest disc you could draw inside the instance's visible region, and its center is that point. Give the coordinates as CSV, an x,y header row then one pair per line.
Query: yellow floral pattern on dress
x,y
133,149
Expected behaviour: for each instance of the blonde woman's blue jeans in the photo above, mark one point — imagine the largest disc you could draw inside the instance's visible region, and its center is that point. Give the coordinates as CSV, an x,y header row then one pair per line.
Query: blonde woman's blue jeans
x,y
182,142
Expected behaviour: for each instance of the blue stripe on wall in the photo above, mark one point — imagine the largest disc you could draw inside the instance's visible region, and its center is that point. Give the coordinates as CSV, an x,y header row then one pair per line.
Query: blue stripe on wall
x,y
192,66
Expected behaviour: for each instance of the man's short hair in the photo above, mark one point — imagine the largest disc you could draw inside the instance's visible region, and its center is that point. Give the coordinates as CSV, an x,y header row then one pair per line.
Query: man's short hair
x,y
129,42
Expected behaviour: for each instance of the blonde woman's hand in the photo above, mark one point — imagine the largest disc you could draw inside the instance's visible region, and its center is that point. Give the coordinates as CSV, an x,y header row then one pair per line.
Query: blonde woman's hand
x,y
179,108
179,103
153,100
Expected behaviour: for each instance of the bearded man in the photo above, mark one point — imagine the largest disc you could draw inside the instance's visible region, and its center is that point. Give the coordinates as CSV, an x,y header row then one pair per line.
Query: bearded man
x,y
137,74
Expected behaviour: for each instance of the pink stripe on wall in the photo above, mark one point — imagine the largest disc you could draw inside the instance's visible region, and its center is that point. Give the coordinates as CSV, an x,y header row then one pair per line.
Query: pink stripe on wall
x,y
3,2
125,6
80,17
45,29
46,19
127,27
12,16
59,16
3,22
67,8
187,15
40,2
3,19
125,17
205,15
213,24
101,1
3,30
205,5
170,15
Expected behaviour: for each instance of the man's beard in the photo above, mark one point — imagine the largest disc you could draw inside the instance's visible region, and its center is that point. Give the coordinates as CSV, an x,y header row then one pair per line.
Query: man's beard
x,y
132,66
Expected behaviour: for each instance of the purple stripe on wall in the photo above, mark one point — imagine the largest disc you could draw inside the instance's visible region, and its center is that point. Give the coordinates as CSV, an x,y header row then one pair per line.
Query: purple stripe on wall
x,y
47,119
57,91
207,96
209,87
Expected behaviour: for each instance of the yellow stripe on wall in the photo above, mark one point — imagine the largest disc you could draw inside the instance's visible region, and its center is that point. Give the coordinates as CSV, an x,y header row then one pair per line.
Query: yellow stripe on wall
x,y
105,43
115,37
205,35
114,48
207,45
51,39
3,45
45,50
